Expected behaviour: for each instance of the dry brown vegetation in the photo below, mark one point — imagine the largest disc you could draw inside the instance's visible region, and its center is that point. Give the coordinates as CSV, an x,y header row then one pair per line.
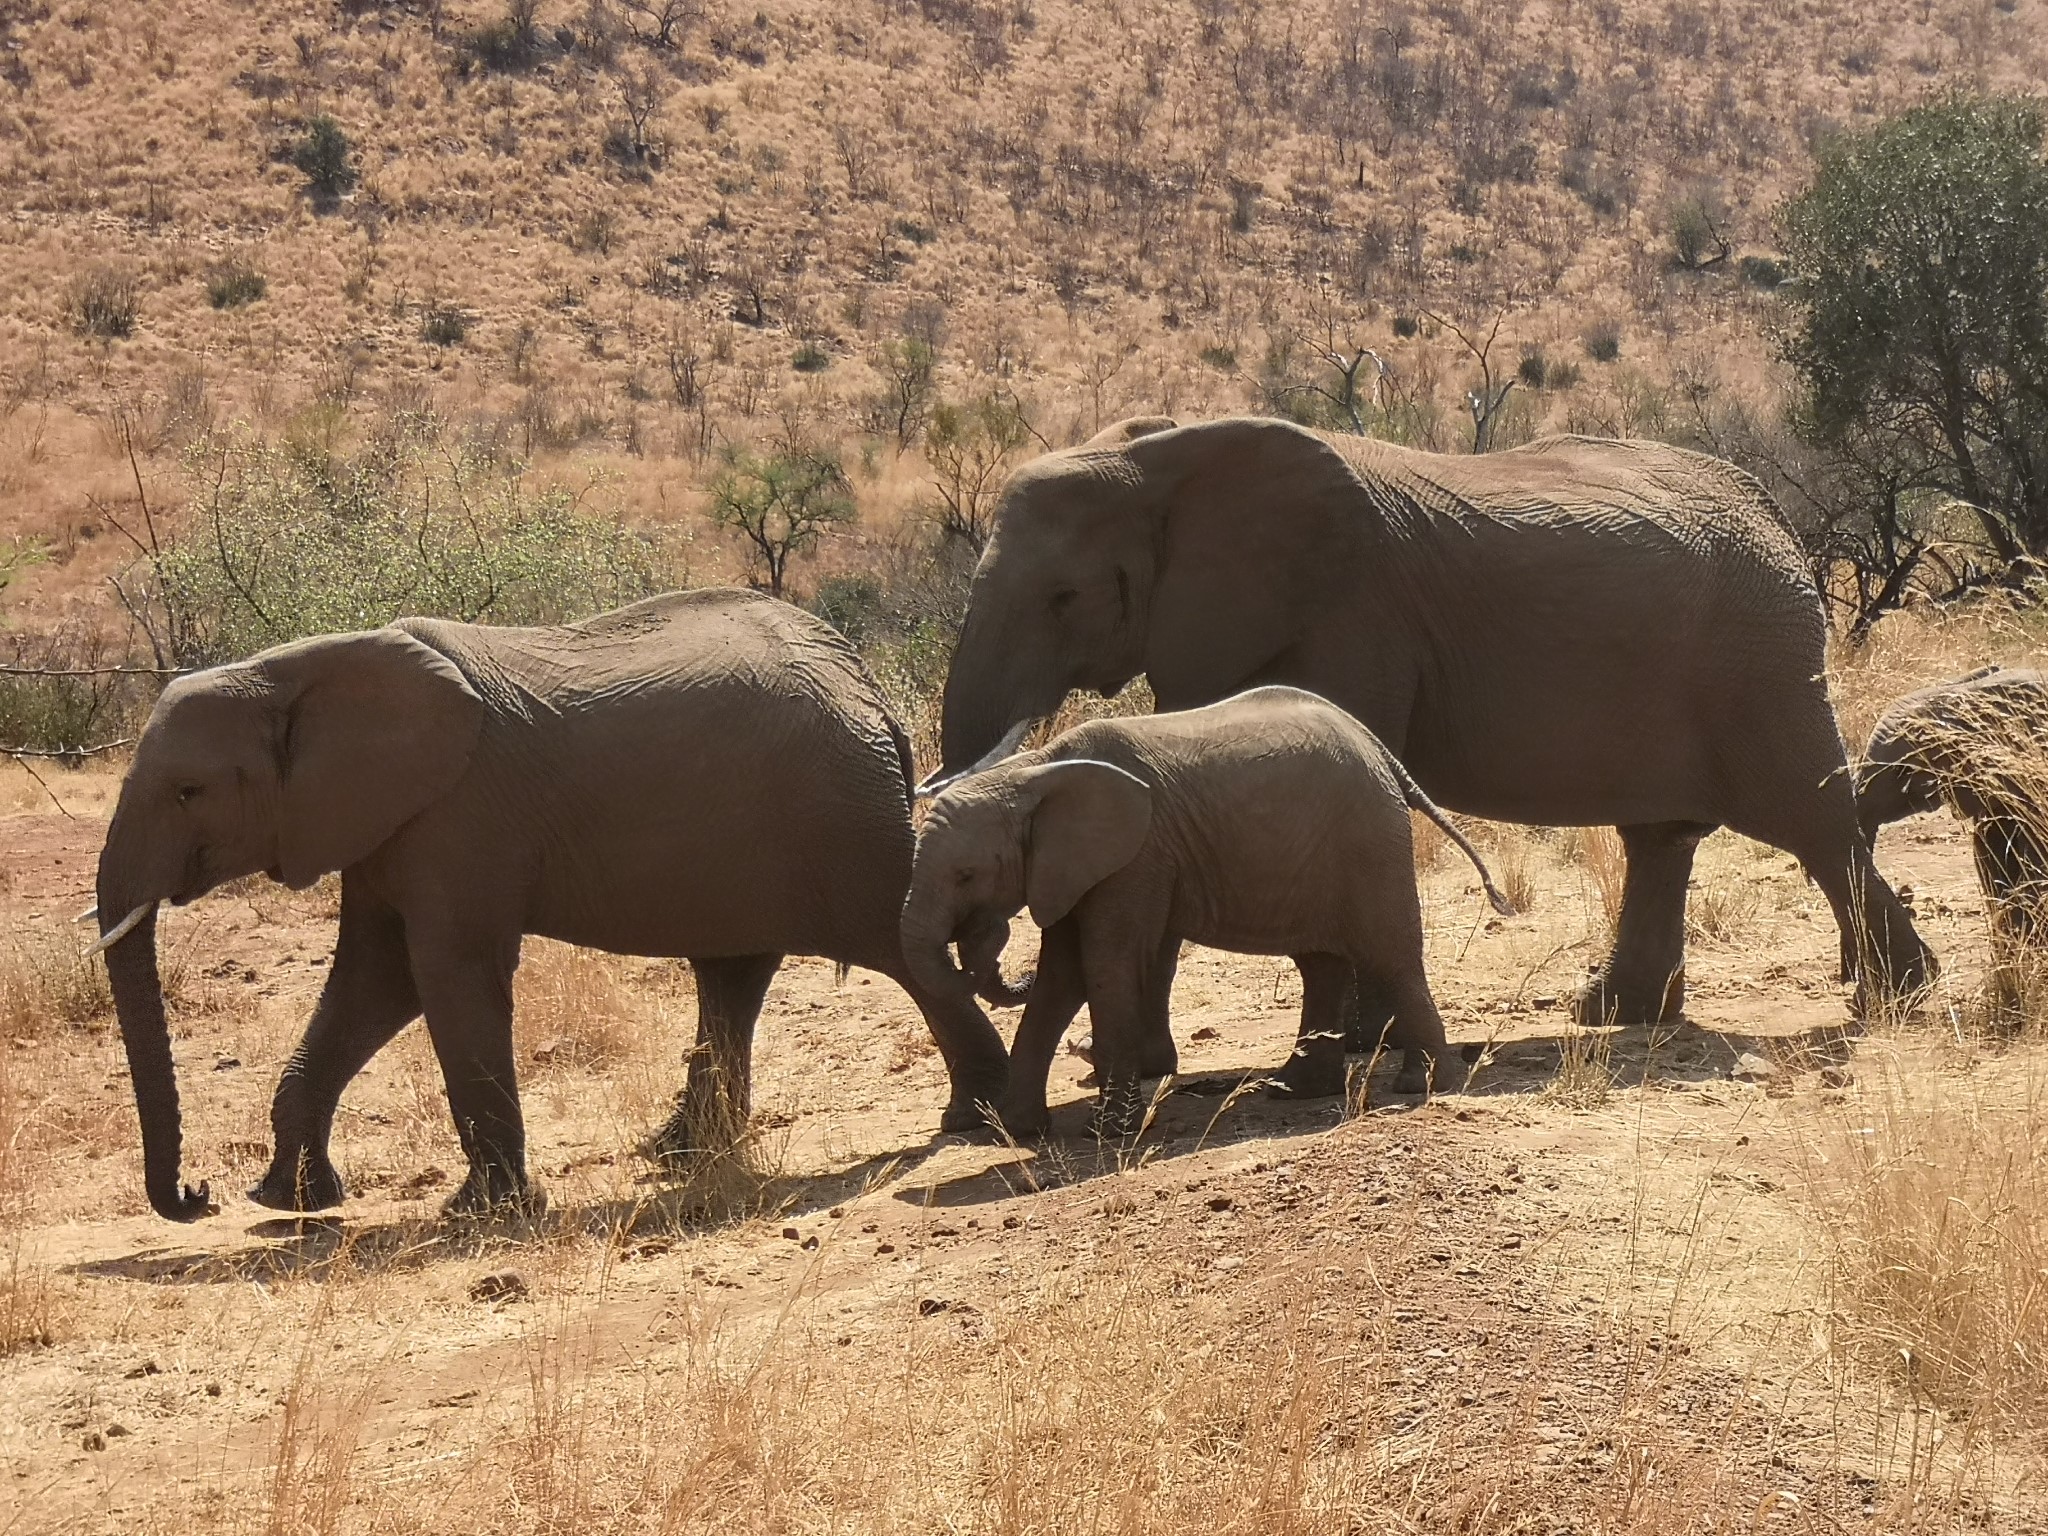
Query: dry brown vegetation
x,y
1733,1274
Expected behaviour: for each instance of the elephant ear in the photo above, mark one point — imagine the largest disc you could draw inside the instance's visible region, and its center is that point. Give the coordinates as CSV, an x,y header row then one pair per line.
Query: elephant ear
x,y
1087,821
1129,430
372,728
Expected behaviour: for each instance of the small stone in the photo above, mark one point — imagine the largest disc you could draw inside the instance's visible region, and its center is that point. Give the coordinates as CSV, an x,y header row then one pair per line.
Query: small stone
x,y
1752,1068
1227,1263
1012,1223
885,1248
791,1234
548,1050
226,1063
213,1389
1221,1202
809,1243
1207,1032
116,1431
500,1285
94,1440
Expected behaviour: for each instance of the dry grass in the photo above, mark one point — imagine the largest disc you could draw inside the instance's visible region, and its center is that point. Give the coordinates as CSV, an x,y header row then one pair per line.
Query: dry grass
x,y
1599,853
1934,1187
47,981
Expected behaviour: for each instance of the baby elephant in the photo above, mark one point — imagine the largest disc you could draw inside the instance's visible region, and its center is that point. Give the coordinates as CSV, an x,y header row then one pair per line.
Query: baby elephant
x,y
1272,823
1978,745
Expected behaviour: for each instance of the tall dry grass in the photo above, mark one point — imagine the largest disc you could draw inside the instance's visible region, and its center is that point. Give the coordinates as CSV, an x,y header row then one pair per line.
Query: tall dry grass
x,y
1932,1184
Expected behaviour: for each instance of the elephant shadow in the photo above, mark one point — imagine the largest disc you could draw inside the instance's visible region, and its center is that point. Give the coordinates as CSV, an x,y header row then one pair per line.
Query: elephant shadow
x,y
1212,1110
325,1247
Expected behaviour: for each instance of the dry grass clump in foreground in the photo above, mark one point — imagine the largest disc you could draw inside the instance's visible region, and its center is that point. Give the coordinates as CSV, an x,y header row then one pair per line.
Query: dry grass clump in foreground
x,y
1932,1178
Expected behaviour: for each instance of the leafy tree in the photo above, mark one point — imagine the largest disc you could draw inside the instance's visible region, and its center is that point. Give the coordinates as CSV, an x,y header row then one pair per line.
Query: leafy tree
x,y
781,503
325,157
970,449
1919,328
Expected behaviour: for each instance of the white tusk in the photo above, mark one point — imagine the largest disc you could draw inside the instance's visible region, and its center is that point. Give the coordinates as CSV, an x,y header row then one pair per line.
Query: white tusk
x,y
123,928
87,915
1012,739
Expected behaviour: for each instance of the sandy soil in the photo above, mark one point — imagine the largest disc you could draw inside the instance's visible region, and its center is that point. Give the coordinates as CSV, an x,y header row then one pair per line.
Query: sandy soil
x,y
1535,1266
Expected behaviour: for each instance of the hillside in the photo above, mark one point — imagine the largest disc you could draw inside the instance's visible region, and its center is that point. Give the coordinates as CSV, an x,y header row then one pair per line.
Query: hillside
x,y
601,252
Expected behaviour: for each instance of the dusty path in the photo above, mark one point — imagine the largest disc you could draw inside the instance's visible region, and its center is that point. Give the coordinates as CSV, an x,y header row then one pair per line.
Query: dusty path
x,y
1634,1275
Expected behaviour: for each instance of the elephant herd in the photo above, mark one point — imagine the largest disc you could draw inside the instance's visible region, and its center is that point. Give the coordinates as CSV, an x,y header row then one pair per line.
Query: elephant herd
x,y
1335,630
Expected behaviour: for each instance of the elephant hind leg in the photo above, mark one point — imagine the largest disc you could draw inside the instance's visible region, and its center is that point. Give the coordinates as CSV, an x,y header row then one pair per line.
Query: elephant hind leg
x,y
718,1094
1643,980
369,997
1316,1068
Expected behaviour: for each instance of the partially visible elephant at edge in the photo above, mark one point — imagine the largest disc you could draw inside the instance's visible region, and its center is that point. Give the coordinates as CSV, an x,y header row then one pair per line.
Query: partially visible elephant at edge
x,y
1978,745
1574,632
710,775
1272,823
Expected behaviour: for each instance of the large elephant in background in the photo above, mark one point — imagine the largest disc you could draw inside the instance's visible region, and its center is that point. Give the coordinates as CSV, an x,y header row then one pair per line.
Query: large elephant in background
x,y
1978,745
710,775
1571,633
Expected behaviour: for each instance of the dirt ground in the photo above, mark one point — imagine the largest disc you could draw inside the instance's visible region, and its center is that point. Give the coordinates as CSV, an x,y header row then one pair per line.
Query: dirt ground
x,y
1591,1292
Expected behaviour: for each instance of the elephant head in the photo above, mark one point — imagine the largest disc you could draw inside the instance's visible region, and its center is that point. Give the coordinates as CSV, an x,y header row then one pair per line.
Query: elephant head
x,y
1892,783
1131,554
1029,833
297,762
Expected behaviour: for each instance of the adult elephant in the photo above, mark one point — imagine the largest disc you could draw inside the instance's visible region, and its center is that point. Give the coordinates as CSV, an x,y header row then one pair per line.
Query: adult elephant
x,y
1571,633
711,775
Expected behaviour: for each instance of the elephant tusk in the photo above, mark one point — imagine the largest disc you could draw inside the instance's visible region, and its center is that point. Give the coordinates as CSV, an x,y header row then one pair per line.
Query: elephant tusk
x,y
87,915
1012,739
123,928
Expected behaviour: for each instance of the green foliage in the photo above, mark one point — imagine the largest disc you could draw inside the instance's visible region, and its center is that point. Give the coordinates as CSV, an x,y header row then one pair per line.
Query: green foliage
x,y
288,541
1223,359
103,302
1696,239
971,448
856,605
780,503
233,284
1919,325
18,555
1762,271
325,157
810,357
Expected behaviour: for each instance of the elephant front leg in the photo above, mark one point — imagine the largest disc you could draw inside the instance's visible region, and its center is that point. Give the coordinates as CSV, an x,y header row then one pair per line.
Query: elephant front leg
x,y
1643,981
718,1094
368,999
1057,993
1119,992
467,996
1316,1069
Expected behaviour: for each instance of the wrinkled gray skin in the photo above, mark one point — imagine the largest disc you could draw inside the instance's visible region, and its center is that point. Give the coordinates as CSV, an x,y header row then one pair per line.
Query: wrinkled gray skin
x,y
710,775
1571,633
1978,745
1271,823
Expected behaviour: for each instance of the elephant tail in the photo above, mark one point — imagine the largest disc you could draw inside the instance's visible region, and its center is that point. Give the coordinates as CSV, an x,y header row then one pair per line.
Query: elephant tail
x,y
1417,800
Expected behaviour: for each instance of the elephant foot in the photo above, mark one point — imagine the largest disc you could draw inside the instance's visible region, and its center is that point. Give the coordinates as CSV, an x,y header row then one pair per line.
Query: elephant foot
x,y
1615,996
969,1111
1308,1076
1157,1057
694,1131
495,1192
1423,1074
306,1181
1021,1121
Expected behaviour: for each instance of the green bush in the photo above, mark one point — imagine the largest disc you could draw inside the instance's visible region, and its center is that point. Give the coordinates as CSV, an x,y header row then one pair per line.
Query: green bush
x,y
325,157
811,357
233,284
286,541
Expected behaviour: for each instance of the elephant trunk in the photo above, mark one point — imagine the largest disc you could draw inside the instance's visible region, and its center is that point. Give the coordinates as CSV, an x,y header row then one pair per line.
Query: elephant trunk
x,y
139,1004
928,924
994,692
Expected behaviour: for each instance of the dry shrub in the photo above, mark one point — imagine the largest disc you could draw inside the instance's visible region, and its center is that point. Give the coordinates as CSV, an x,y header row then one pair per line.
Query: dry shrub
x,y
28,1311
1599,852
1430,842
1934,1194
46,980
1510,850
1720,909
1584,1078
574,1007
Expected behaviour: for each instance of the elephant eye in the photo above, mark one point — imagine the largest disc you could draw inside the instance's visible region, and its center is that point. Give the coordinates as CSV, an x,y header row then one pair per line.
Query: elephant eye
x,y
1062,598
963,877
188,793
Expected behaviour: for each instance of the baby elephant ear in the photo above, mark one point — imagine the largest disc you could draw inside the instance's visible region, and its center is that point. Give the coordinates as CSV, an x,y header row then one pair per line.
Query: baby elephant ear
x,y
1086,821
372,729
